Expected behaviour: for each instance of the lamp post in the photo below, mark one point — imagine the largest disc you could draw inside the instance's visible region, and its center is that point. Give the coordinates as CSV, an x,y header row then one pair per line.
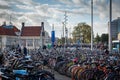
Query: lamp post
x,y
42,34
110,17
91,24
66,35
66,31
63,31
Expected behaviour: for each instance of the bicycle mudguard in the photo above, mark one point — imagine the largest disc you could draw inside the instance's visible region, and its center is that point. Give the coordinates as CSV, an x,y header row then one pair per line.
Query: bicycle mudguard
x,y
21,72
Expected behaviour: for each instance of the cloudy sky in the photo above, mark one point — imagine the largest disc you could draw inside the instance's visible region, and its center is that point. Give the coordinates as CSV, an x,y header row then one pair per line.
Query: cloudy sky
x,y
33,12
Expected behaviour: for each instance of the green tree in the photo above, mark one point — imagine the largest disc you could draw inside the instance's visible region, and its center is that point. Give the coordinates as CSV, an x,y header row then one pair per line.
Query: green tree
x,y
97,38
59,41
104,38
82,31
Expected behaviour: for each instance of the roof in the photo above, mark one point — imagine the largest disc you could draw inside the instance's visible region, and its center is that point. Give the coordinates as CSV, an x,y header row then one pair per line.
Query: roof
x,y
8,31
31,31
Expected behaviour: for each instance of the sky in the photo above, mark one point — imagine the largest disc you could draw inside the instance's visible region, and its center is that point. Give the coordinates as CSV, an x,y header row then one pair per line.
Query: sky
x,y
33,12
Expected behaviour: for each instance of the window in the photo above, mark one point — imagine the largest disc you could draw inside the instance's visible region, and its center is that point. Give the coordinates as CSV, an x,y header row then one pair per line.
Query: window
x,y
37,42
11,41
30,42
23,42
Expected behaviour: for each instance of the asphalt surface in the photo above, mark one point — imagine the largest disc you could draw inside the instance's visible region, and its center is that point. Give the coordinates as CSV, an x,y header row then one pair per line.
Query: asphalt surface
x,y
58,76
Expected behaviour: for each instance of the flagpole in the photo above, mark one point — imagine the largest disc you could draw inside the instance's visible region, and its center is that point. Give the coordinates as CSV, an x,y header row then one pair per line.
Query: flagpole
x,y
91,24
110,19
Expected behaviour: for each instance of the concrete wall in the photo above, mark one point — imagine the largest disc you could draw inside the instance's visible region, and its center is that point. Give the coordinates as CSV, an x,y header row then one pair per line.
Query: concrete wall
x,y
25,42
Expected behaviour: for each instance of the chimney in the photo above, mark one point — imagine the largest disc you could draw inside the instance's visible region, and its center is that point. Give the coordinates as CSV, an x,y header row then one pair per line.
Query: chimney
x,y
4,23
23,24
42,25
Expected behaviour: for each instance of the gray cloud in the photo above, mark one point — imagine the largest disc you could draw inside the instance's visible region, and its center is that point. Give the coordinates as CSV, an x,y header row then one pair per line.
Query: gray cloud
x,y
67,2
5,7
34,13
102,8
116,8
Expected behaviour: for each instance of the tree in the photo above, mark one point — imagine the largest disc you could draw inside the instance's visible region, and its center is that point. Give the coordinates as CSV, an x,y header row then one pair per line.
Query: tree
x,y
60,41
104,38
97,38
82,32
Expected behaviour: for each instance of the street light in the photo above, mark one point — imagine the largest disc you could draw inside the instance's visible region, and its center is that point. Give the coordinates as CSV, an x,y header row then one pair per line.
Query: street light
x,y
91,24
110,18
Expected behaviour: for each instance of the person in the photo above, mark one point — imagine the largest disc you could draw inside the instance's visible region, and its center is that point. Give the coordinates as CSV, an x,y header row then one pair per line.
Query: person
x,y
106,51
19,49
44,47
25,50
2,58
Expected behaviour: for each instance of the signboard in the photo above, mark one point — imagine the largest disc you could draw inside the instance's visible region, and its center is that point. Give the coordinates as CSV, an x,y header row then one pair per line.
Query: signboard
x,y
53,37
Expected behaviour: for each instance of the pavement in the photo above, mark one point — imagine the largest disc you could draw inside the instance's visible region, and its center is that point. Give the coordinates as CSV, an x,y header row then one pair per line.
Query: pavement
x,y
58,76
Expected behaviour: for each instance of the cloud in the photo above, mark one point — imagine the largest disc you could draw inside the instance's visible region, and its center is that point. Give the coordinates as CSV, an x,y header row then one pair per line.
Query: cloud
x,y
102,8
4,7
76,1
33,13
81,2
67,2
24,7
3,2
116,9
100,27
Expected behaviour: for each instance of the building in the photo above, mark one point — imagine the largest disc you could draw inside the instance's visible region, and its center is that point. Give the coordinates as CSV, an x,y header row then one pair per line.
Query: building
x,y
115,28
32,36
8,36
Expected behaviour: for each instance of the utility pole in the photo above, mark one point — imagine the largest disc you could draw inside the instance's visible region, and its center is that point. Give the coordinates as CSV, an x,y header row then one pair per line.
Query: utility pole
x,y
42,34
110,17
91,24
63,37
63,29
65,23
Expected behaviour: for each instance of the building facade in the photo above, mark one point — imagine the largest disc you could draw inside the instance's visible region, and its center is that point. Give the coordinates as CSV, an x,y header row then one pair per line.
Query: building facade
x,y
31,36
8,36
115,28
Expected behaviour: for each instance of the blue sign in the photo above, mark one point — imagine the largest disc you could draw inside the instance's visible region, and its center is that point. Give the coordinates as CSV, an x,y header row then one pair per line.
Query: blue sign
x,y
53,37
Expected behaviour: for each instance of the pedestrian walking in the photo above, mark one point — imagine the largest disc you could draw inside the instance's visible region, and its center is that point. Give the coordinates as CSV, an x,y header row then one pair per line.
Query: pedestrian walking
x,y
25,51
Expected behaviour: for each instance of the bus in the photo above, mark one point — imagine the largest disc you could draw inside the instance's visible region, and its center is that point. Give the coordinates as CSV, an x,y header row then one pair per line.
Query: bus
x,y
116,45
